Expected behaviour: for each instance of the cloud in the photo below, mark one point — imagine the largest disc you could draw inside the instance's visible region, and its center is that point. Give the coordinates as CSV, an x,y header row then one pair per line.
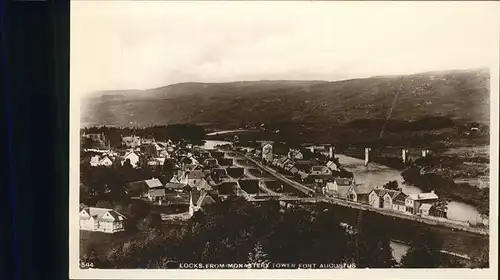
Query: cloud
x,y
132,44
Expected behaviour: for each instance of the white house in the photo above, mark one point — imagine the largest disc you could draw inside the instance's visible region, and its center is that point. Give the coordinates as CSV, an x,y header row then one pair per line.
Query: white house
x,y
420,198
425,209
332,166
398,202
100,161
338,188
133,157
101,219
388,198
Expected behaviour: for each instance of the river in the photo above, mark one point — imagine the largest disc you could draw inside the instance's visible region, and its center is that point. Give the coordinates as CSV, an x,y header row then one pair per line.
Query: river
x,y
377,175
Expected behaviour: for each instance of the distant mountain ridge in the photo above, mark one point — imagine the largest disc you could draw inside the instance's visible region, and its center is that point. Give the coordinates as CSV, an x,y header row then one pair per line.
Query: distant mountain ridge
x,y
461,95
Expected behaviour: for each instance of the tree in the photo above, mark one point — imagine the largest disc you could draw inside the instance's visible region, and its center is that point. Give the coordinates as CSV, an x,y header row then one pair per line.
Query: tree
x,y
392,185
88,143
104,204
424,252
441,207
168,170
374,247
151,222
257,256
89,260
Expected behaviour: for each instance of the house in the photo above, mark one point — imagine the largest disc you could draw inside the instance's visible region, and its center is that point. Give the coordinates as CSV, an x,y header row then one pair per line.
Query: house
x,y
414,201
425,209
157,195
227,189
133,157
295,154
303,175
398,202
174,187
338,188
388,198
293,170
140,189
101,219
105,161
131,141
98,137
194,177
332,166
359,193
100,161
320,179
156,161
375,198
320,170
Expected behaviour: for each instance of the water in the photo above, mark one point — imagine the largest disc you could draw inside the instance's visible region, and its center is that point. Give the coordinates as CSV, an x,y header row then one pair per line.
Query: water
x,y
210,144
377,175
226,132
398,250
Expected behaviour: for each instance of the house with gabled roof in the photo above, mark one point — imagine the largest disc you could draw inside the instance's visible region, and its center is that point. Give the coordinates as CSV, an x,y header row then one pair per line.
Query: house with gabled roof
x,y
132,156
332,166
414,201
320,170
131,141
101,219
140,189
339,187
398,202
100,161
194,177
359,193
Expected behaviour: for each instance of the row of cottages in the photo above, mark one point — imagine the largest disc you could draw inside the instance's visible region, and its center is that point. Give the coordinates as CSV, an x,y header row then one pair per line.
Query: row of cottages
x,y
101,219
388,199
416,204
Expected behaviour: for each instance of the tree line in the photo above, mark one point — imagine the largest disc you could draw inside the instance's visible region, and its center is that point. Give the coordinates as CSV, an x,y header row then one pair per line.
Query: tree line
x,y
175,132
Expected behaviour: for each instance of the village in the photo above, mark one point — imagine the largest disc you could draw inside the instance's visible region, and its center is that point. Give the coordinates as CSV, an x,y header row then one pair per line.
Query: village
x,y
206,175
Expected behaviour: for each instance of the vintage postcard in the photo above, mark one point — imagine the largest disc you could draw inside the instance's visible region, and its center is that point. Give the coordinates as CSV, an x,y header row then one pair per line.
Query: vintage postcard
x,y
310,140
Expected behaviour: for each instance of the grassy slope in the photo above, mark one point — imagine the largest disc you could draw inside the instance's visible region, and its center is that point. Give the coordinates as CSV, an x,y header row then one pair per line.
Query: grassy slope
x,y
460,95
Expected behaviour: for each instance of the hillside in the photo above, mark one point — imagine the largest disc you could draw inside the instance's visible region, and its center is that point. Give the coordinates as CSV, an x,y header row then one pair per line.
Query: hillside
x,y
462,96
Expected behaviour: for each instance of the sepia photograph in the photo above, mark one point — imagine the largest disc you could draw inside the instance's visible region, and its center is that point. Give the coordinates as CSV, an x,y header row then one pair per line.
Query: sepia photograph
x,y
283,139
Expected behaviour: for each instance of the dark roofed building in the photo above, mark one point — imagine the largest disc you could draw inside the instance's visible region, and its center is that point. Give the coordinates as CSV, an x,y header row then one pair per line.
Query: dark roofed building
x,y
235,172
250,186
227,188
170,186
225,161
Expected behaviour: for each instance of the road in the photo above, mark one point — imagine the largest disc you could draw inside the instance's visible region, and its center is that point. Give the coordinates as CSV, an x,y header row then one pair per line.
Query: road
x,y
361,206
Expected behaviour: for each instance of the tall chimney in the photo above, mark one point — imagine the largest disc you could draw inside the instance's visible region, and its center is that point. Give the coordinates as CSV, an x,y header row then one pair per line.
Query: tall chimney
x,y
331,152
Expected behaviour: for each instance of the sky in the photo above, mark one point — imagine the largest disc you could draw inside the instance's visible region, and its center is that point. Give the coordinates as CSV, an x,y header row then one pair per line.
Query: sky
x,y
141,44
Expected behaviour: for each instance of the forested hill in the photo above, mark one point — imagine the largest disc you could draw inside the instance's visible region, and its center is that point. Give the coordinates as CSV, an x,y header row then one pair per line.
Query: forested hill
x,y
458,95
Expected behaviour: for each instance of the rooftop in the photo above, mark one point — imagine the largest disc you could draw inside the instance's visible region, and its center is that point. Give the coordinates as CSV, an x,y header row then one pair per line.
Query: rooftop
x,y
426,207
424,196
343,181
